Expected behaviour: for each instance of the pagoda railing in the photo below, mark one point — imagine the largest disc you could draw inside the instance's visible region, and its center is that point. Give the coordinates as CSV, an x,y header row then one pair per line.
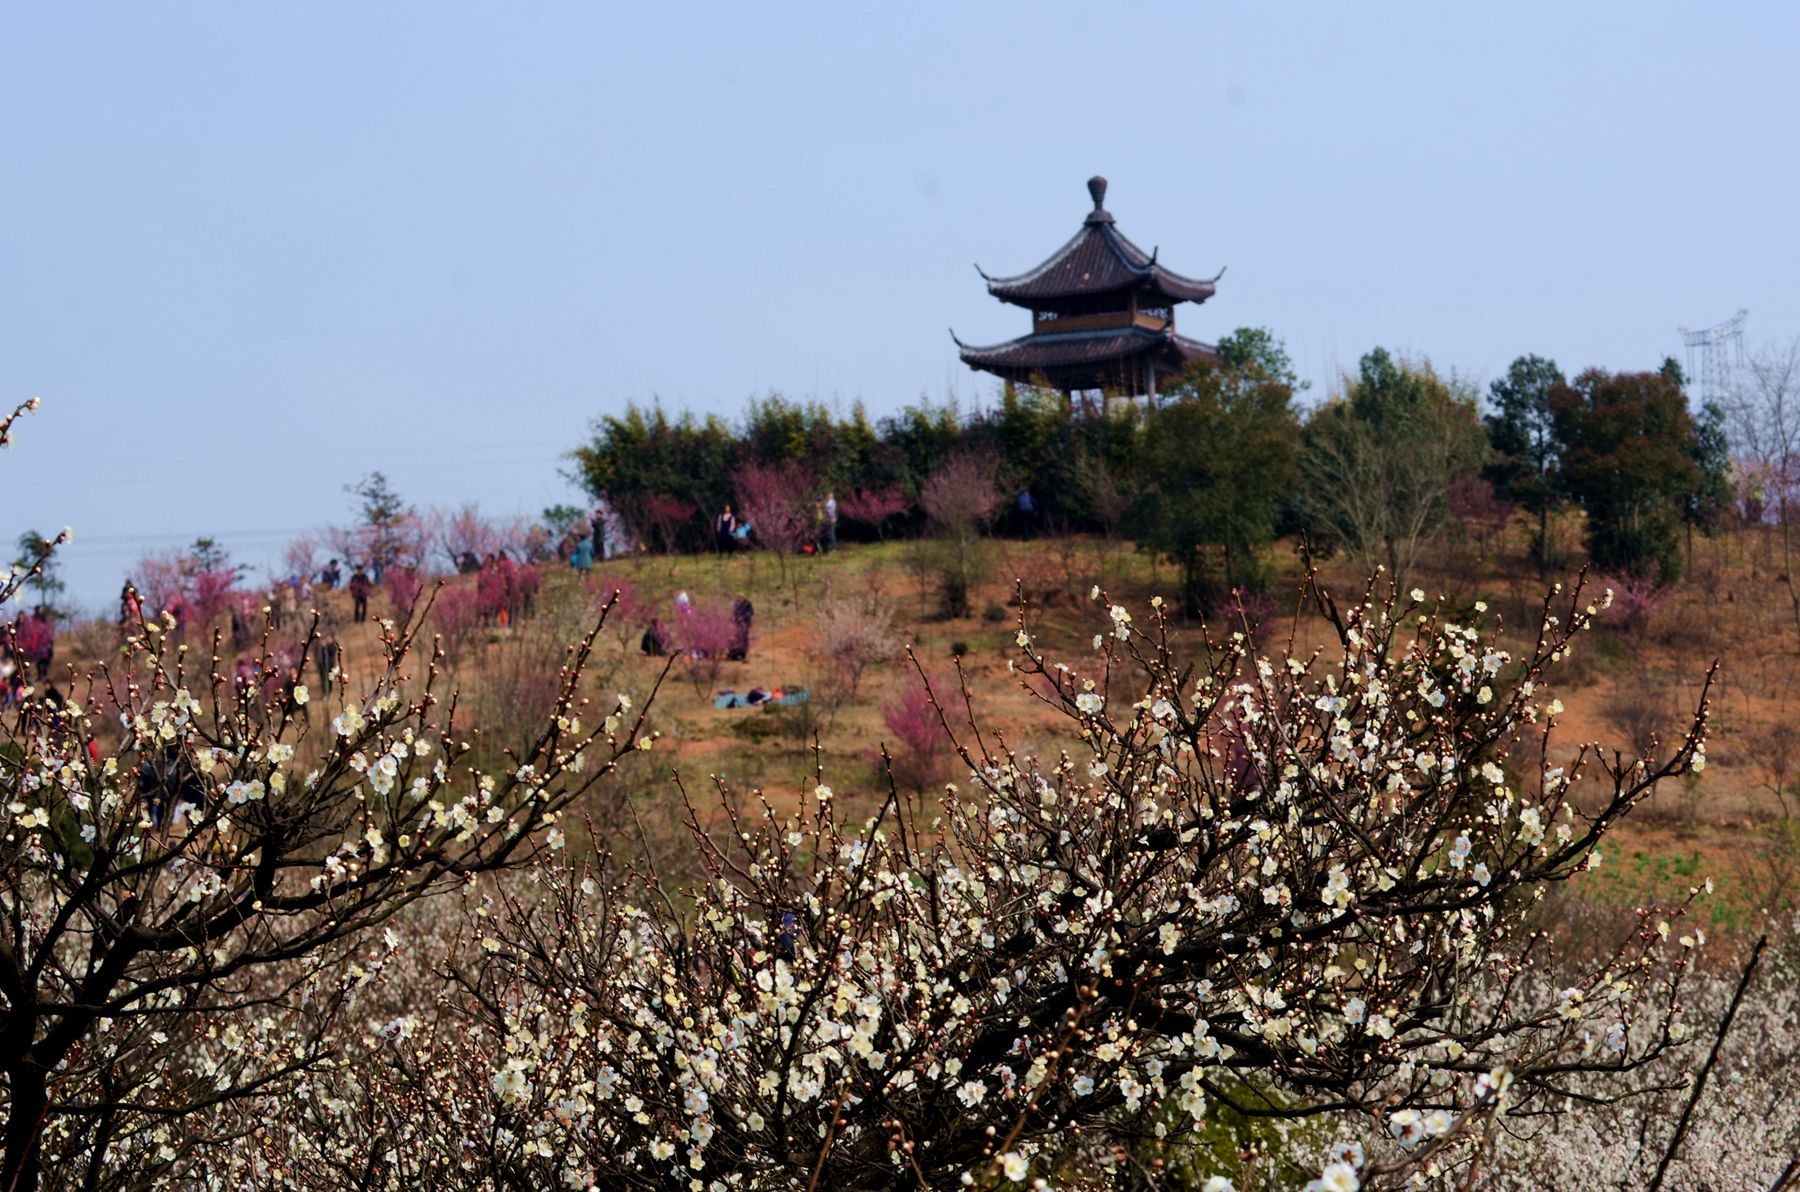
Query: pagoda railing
x,y
1051,323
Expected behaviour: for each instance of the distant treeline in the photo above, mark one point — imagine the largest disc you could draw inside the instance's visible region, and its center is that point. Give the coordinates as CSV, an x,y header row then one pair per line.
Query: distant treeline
x,y
1221,464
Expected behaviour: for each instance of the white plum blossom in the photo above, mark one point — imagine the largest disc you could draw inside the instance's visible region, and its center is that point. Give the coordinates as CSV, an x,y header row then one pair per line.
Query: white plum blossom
x,y
1459,850
1337,1177
511,1083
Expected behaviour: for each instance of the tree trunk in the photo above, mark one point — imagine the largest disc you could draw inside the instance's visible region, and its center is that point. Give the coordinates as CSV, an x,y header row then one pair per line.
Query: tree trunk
x,y
24,1129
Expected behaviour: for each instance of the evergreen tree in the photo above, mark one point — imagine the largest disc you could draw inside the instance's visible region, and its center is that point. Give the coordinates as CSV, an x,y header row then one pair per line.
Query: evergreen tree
x,y
646,465
1260,349
40,568
1217,460
1523,435
1628,458
1711,452
384,514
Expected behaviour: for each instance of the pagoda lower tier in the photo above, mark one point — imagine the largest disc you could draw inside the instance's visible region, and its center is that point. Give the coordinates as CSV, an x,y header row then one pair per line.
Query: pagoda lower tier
x,y
1119,359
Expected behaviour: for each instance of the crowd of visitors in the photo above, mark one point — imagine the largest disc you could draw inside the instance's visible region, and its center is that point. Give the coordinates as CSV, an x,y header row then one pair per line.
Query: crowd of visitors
x,y
598,537
506,587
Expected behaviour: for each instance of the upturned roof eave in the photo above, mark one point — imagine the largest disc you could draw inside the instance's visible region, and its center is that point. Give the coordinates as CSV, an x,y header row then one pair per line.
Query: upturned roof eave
x,y
1132,341
1133,269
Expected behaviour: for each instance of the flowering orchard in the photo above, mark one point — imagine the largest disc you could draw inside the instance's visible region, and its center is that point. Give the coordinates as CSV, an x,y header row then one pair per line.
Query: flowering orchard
x,y
1293,889
1247,922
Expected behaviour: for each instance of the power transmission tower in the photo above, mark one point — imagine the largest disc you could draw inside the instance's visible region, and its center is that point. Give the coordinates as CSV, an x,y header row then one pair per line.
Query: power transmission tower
x,y
1715,356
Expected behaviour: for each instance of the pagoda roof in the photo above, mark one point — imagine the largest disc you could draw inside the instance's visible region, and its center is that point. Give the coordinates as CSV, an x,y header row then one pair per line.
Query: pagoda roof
x,y
1098,260
1098,351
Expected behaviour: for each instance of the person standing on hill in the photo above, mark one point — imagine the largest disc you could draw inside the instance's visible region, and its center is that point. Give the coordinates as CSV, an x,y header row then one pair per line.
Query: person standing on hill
x,y
360,587
742,614
329,577
828,538
725,530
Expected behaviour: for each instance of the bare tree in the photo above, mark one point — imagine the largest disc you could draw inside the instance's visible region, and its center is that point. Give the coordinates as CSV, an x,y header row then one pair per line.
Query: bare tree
x,y
1775,750
302,556
1379,461
1764,425
961,498
463,532
1107,493
854,632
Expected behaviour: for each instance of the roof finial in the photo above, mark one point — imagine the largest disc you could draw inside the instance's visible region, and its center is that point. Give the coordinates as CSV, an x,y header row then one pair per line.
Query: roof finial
x,y
1097,188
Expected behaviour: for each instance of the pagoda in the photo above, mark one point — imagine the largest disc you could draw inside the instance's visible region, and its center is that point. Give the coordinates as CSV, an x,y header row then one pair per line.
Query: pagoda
x,y
1102,315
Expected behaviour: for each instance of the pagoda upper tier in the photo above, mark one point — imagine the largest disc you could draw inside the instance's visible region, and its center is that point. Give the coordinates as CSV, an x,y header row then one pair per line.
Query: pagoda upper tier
x,y
1097,262
1103,314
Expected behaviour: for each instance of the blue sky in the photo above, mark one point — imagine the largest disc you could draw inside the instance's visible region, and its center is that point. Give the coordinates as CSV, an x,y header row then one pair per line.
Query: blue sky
x,y
250,252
